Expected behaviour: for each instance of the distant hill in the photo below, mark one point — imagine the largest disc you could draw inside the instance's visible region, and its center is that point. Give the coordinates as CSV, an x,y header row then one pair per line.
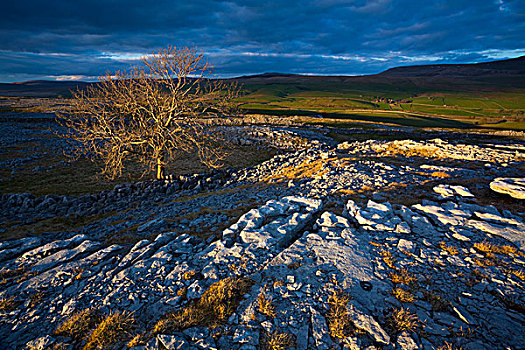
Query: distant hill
x,y
488,76
511,67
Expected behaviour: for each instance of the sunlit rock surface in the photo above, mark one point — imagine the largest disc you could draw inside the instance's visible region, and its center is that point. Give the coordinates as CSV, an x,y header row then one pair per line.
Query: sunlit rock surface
x,y
385,228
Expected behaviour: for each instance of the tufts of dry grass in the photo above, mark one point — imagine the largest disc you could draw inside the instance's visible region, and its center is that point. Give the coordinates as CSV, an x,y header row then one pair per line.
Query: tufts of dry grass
x,y
449,249
115,328
388,259
437,302
490,260
421,151
8,304
517,272
489,248
266,305
308,169
345,191
436,174
277,341
402,276
216,304
36,298
403,320
182,292
137,340
366,188
439,174
55,346
403,295
484,247
80,324
188,275
449,346
339,323
278,283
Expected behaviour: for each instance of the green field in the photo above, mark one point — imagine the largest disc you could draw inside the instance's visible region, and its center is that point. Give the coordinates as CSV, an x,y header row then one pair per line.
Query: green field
x,y
402,104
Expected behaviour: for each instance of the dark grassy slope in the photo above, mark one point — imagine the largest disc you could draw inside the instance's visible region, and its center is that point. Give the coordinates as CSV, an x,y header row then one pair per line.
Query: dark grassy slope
x,y
488,94
40,88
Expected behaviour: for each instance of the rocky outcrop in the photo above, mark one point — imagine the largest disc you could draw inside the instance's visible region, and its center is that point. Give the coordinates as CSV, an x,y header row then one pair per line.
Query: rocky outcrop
x,y
338,266
514,187
297,256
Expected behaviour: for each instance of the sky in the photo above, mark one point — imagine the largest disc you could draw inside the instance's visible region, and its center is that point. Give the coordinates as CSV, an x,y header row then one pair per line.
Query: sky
x,y
82,40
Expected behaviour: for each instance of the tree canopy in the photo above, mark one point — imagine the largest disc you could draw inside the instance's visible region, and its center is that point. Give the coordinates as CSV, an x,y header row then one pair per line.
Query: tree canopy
x,y
152,113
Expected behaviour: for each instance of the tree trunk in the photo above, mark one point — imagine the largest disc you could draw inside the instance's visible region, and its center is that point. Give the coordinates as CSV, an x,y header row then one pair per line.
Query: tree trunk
x,y
160,169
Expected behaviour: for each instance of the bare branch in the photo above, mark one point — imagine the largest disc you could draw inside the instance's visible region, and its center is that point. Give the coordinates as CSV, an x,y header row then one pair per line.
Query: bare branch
x,y
154,112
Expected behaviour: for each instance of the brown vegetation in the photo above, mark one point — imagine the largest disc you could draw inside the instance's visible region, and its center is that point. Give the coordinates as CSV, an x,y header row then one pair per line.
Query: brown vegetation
x,y
403,320
8,304
266,305
214,306
403,295
449,249
116,327
402,276
80,324
339,323
277,341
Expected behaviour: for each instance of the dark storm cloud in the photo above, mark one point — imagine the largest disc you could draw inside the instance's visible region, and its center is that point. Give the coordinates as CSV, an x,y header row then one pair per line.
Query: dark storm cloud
x,y
49,39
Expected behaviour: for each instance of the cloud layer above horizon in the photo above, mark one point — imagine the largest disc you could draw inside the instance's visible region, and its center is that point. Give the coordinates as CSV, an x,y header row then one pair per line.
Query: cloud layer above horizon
x,y
69,40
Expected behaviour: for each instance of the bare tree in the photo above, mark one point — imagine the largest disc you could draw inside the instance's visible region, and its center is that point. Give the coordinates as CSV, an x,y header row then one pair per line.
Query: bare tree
x,y
153,113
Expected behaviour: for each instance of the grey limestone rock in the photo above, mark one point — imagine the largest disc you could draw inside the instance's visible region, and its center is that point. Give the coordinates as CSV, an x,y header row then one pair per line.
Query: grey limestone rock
x,y
514,187
41,343
447,191
320,333
171,342
63,256
367,323
405,342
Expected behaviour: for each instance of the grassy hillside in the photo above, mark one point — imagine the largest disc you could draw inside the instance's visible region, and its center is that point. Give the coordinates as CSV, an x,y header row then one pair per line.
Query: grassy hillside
x,y
484,95
388,100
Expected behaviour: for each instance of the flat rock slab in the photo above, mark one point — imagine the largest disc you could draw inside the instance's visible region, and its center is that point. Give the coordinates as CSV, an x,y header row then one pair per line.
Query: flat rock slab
x,y
319,329
447,191
512,234
367,323
514,187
